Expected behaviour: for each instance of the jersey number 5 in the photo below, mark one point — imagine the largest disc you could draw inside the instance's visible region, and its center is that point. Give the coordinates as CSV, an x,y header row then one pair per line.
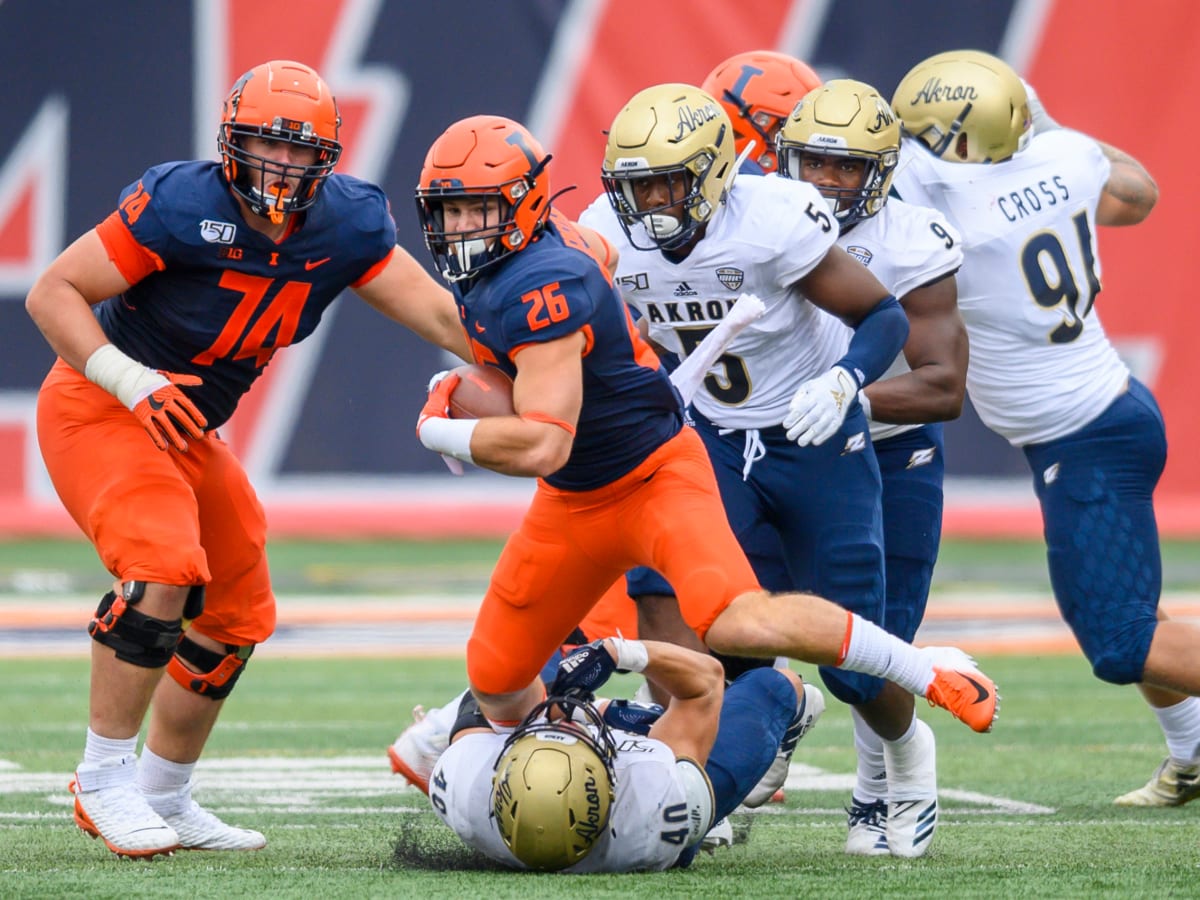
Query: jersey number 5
x,y
732,389
1058,285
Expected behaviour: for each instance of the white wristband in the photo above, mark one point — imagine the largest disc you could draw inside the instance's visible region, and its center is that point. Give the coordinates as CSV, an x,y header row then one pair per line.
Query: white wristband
x,y
122,376
632,656
864,403
450,437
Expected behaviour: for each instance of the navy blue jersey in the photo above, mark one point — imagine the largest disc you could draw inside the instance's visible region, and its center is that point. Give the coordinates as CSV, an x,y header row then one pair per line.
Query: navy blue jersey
x,y
221,298
548,291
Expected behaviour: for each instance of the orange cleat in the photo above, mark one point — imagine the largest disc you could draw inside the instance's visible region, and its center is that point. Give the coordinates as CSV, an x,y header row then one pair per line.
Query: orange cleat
x,y
969,696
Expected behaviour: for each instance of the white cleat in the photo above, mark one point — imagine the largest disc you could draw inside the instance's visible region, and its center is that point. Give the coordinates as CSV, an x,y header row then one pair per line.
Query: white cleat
x,y
416,751
720,835
198,829
806,717
868,828
1171,785
912,809
109,806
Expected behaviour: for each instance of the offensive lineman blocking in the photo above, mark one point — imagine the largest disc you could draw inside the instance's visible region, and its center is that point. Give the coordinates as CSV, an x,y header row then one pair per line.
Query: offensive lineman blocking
x,y
204,272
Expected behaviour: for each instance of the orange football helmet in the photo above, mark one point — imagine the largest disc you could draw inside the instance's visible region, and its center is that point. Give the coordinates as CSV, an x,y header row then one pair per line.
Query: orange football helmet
x,y
483,158
280,100
758,89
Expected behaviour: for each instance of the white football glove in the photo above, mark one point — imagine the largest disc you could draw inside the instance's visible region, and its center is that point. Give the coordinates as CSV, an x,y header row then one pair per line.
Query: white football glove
x,y
435,379
819,407
1037,112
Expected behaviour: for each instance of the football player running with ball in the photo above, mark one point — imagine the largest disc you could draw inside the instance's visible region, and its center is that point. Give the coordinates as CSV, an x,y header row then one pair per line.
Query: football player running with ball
x,y
844,139
621,481
1026,195
163,316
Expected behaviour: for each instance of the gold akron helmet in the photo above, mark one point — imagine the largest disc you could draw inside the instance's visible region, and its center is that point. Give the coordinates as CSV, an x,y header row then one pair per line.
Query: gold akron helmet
x,y
552,790
848,119
965,106
680,133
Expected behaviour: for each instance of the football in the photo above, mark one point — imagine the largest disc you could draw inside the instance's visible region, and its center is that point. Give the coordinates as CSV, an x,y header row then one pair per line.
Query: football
x,y
483,391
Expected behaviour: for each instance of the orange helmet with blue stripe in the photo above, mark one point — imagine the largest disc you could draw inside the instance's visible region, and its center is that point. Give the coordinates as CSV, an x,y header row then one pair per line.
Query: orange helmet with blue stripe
x,y
759,88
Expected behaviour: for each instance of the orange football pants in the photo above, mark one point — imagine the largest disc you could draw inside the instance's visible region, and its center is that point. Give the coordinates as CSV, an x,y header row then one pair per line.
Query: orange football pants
x,y
160,516
614,614
573,545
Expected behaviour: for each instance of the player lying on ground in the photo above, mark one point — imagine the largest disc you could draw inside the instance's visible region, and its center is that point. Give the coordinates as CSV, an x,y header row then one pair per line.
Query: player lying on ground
x,y
615,788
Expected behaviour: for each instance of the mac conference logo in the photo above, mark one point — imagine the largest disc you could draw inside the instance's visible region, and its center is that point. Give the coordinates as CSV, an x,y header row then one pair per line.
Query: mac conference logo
x,y
730,277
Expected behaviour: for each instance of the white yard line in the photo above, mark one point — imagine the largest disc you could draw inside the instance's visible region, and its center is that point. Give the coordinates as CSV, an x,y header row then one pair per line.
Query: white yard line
x,y
306,785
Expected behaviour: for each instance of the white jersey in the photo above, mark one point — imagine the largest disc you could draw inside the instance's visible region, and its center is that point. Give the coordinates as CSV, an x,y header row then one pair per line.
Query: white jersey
x,y
1041,365
760,242
652,820
905,247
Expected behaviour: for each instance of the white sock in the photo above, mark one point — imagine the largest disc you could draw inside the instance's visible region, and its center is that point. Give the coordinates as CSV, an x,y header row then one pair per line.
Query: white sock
x,y
99,748
871,782
872,651
1181,727
158,776
911,763
443,717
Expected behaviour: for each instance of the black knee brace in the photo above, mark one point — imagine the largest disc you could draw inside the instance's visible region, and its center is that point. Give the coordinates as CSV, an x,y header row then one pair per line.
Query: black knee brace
x,y
218,672
138,639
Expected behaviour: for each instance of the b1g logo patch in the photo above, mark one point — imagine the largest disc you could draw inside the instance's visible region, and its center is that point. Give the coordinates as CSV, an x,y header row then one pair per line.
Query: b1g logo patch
x,y
217,232
862,254
730,277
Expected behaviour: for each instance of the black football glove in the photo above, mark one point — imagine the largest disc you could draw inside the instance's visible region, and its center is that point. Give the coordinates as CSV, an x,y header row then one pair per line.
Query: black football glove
x,y
582,671
629,715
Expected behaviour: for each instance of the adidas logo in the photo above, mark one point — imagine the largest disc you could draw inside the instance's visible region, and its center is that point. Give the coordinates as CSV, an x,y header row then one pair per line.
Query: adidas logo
x,y
684,290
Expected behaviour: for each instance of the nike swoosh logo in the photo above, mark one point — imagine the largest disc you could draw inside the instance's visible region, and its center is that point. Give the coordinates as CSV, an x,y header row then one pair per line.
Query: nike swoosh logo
x,y
310,264
479,328
983,692
155,404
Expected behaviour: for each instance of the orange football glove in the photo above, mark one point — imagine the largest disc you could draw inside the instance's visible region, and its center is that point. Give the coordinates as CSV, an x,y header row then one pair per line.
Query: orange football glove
x,y
167,409
437,404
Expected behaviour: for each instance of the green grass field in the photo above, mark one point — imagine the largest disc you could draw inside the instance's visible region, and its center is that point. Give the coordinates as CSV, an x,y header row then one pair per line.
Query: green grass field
x,y
299,755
